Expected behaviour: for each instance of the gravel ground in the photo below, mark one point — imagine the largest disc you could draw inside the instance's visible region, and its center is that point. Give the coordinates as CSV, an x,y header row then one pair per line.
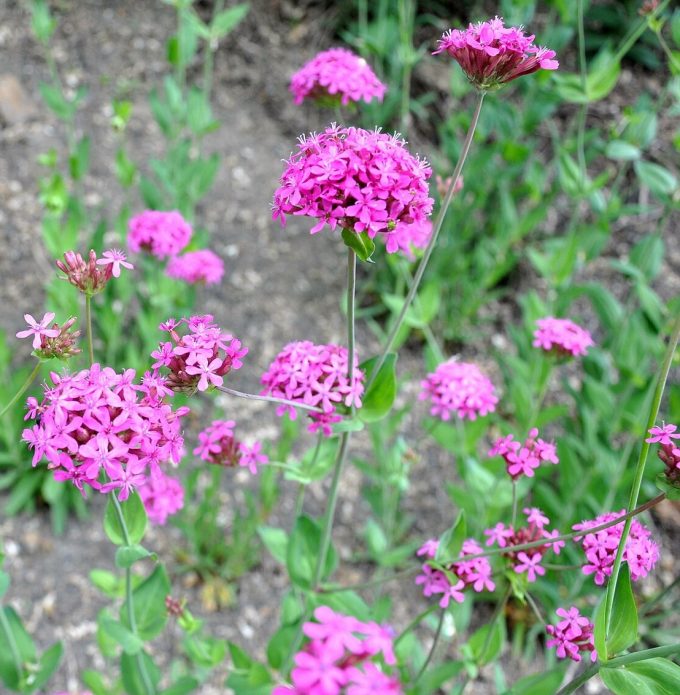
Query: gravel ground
x,y
272,294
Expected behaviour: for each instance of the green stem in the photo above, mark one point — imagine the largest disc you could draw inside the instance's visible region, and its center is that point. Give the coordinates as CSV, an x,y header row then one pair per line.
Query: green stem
x,y
514,503
405,29
341,456
655,653
640,469
88,325
23,388
433,240
129,599
583,111
430,654
638,31
415,622
268,399
9,636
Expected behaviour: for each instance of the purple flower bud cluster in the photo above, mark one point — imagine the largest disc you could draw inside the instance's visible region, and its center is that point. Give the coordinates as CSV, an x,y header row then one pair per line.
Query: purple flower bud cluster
x,y
160,233
314,375
57,341
524,459
339,658
91,276
218,445
562,337
336,75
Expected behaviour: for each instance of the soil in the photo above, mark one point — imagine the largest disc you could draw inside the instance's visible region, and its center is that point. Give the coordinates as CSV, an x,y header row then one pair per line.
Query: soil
x,y
280,286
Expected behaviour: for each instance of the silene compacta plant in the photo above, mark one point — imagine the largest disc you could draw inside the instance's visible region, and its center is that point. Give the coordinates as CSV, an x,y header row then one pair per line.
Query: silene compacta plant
x,y
513,562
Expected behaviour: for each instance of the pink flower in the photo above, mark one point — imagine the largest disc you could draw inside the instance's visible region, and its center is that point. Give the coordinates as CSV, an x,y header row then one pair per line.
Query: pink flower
x,y
162,496
524,459
38,329
492,54
315,375
531,564
669,451
218,445
662,435
460,388
340,179
116,259
196,267
162,234
336,75
207,372
429,548
572,635
561,336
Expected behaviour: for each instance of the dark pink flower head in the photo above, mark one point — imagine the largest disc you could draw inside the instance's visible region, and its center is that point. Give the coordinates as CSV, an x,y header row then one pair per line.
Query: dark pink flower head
x,y
459,388
199,359
641,552
314,375
492,54
160,233
451,577
336,76
524,459
669,450
338,657
91,276
572,635
196,267
100,428
358,180
218,445
527,562
162,496
562,337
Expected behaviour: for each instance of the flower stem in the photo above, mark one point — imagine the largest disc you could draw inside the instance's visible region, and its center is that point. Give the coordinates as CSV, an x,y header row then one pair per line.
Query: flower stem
x,y
129,599
88,325
415,622
269,399
640,470
433,240
341,456
430,654
23,388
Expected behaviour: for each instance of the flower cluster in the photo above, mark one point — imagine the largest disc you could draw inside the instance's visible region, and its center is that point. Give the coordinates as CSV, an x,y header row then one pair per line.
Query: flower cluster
x,y
572,635
460,388
338,658
162,234
526,561
218,445
669,451
562,337
641,552
355,179
336,75
492,54
194,267
91,276
200,358
57,341
161,495
454,577
314,375
99,428
523,459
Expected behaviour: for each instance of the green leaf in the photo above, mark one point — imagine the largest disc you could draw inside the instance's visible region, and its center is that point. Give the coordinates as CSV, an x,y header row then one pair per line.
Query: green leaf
x,y
571,178
276,542
622,151
303,551
56,102
94,681
485,648
4,583
538,684
48,664
107,582
279,645
360,243
182,686
435,676
127,555
125,169
658,179
602,76
623,626
149,604
227,20
42,23
24,646
672,492
133,681
648,677
378,400
131,643
451,541
134,515
79,160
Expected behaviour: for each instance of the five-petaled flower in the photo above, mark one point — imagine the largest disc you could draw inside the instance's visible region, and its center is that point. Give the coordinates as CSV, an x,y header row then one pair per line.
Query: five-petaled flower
x,y
38,329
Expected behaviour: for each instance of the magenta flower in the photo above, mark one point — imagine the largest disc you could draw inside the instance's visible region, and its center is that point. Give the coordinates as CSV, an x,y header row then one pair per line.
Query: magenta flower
x,y
162,234
117,260
38,330
492,54
663,435
336,75
314,375
162,496
572,635
207,372
196,267
531,564
339,178
641,552
218,445
524,459
458,388
562,337
669,451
